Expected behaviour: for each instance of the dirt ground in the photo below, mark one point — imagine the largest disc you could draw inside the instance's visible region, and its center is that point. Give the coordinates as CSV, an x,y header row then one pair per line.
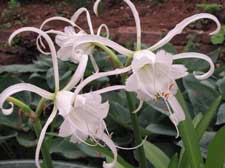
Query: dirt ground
x,y
155,19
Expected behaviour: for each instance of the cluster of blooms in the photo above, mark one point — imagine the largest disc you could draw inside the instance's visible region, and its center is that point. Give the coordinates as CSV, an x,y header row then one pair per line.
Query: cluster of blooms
x,y
153,76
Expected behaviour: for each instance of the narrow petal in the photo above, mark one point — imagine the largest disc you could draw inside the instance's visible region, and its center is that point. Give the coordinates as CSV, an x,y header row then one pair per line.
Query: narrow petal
x,y
79,73
18,88
94,64
78,13
109,89
42,136
99,75
200,56
178,112
112,147
137,22
93,38
179,28
95,7
100,30
136,18
51,46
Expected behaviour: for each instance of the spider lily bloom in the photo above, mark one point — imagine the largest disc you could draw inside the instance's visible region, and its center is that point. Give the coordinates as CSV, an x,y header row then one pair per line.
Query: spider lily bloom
x,y
154,75
66,39
86,120
43,93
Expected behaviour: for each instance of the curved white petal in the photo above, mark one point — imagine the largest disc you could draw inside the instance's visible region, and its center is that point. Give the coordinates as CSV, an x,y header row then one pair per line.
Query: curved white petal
x,y
95,7
94,64
109,89
136,18
141,103
180,26
78,13
112,147
137,22
42,135
56,18
64,101
178,113
200,56
100,30
51,46
94,38
99,75
18,88
79,73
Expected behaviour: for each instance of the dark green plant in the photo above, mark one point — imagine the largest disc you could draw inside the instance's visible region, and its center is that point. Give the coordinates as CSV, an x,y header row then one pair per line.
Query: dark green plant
x,y
210,7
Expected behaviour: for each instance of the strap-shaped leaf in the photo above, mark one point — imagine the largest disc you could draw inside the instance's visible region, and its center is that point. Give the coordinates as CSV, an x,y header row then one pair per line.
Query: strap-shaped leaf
x,y
216,152
154,155
201,128
205,121
174,161
191,143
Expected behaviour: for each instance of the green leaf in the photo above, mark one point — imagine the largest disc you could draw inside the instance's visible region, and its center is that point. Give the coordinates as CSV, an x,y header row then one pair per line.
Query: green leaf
x,y
19,68
217,38
216,152
66,148
221,115
161,129
191,143
156,156
207,118
174,161
201,127
200,94
26,140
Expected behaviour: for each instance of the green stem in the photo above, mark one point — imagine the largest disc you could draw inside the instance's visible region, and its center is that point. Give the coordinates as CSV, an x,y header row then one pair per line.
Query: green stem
x,y
40,107
111,54
37,128
137,132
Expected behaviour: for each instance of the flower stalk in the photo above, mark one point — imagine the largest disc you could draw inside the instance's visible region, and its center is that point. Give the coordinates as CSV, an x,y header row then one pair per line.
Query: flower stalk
x,y
47,161
137,132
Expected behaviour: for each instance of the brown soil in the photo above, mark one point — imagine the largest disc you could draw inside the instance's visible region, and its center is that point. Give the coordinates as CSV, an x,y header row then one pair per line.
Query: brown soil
x,y
155,19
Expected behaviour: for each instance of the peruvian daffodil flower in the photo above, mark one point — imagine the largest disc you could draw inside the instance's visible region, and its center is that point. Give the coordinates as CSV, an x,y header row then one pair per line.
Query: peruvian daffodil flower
x,y
78,75
154,73
62,99
65,39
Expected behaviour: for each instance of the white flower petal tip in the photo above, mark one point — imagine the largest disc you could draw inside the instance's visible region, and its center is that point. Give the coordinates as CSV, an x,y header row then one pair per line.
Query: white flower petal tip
x,y
9,110
139,106
199,56
112,147
78,13
42,136
106,30
51,47
180,26
18,88
95,7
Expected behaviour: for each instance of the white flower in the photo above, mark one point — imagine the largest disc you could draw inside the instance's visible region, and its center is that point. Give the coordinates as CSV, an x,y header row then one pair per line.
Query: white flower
x,y
65,42
84,118
154,75
43,93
